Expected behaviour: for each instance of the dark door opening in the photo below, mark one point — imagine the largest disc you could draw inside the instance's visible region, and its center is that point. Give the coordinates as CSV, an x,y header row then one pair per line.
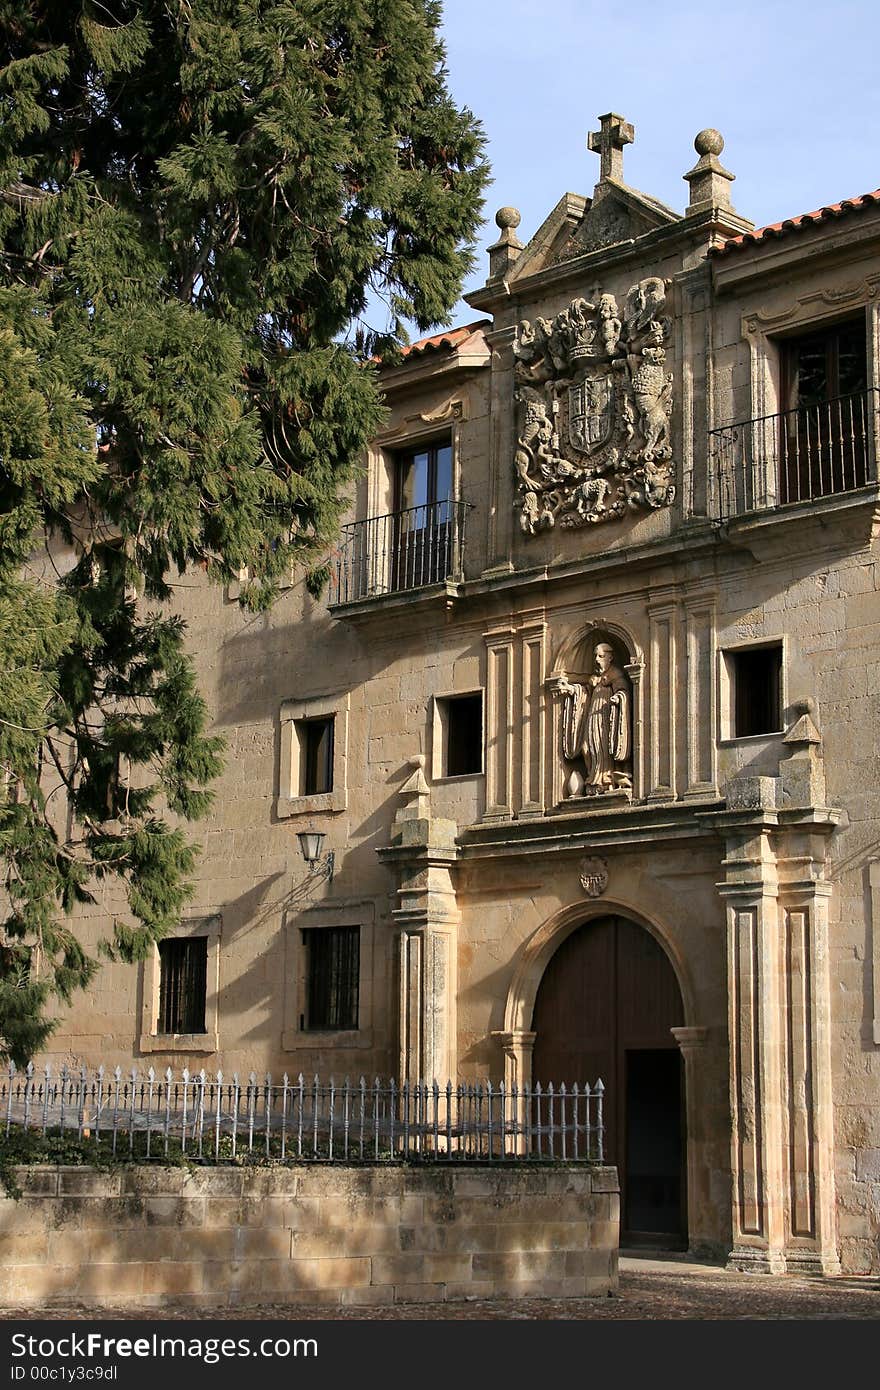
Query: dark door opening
x,y
605,1008
654,1158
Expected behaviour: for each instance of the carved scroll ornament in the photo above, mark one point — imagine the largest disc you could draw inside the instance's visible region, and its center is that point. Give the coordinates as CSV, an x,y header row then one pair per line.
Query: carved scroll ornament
x,y
594,403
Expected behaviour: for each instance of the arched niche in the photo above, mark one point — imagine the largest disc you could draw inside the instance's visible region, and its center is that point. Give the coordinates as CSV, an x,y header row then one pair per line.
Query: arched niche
x,y
593,759
575,649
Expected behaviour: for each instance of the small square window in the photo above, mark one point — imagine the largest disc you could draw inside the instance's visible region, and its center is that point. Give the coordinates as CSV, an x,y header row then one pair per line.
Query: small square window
x,y
756,675
316,755
183,977
461,726
332,978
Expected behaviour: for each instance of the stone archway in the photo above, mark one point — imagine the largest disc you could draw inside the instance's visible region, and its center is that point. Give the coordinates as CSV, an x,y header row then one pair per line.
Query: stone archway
x,y
600,993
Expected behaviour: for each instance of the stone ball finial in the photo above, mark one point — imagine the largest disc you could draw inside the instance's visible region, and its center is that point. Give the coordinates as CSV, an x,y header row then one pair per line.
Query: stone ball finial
x,y
709,141
507,217
806,706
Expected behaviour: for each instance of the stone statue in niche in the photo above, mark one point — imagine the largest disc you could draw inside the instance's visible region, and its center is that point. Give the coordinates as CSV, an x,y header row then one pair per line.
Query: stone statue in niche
x,y
597,727
594,404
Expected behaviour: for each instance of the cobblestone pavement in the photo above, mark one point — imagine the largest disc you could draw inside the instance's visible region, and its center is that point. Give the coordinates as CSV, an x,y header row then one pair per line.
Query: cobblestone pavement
x,y
649,1289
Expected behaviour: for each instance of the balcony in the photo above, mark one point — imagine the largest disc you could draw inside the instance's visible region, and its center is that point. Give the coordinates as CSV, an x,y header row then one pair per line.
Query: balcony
x,y
797,456
399,552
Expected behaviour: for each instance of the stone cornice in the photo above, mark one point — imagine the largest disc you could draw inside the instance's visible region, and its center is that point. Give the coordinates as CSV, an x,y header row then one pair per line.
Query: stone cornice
x,y
822,819
426,856
418,374
699,231
586,830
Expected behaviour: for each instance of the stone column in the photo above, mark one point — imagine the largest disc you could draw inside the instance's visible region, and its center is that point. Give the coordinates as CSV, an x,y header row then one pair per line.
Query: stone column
x,y
692,1045
635,671
423,853
662,698
518,1048
500,691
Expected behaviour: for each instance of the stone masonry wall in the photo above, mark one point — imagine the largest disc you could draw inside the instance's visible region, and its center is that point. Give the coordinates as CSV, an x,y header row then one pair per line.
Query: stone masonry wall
x,y
237,1237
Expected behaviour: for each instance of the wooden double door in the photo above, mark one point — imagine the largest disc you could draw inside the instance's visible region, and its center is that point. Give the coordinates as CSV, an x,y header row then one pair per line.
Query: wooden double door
x,y
605,1008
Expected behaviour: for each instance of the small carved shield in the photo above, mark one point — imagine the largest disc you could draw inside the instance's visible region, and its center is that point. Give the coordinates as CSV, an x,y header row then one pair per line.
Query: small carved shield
x,y
591,413
594,877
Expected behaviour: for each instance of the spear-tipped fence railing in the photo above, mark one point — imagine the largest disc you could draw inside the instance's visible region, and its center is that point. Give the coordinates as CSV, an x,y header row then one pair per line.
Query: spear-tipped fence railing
x,y
216,1118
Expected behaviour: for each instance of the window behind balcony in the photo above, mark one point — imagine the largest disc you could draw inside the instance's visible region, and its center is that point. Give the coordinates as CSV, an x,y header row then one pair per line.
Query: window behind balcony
x,y
422,531
825,426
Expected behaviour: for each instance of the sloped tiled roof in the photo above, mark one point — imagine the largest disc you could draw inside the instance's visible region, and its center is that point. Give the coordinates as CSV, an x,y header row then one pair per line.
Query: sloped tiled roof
x,y
447,341
797,224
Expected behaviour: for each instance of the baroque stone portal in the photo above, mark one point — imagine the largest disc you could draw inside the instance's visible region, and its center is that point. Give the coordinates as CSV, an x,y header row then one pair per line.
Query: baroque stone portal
x,y
597,727
594,403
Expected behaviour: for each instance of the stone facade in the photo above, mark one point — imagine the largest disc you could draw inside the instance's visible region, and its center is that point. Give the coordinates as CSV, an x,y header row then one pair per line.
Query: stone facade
x,y
632,469
315,1235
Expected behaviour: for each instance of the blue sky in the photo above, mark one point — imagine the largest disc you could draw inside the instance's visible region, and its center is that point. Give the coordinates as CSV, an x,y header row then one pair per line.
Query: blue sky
x,y
791,84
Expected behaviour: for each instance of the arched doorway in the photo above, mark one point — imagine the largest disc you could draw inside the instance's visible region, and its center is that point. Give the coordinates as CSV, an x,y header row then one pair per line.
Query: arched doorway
x,y
605,1007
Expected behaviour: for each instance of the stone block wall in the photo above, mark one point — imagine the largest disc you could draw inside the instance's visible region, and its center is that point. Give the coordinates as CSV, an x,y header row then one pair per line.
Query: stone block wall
x,y
141,1236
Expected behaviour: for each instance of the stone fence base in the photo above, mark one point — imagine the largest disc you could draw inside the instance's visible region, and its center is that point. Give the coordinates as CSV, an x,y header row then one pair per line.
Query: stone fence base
x,y
239,1237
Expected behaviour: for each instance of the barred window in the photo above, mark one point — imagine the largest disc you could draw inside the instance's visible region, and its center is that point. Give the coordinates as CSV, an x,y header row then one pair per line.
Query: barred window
x,y
183,977
333,977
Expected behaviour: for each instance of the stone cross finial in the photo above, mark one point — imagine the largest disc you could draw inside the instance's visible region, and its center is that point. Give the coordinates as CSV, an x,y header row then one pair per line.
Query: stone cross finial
x,y
608,143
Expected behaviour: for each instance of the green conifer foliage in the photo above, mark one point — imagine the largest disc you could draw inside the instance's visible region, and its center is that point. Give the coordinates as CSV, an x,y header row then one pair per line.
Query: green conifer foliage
x,y
198,199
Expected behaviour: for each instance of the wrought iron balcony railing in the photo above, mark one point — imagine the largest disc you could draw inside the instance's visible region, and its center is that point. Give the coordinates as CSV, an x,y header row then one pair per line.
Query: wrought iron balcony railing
x,y
399,551
796,456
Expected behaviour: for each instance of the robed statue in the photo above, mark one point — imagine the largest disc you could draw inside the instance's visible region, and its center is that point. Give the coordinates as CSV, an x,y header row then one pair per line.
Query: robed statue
x,y
596,724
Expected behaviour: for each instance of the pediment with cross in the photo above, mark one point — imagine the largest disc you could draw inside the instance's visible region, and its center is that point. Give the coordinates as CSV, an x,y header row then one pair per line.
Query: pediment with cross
x,y
616,213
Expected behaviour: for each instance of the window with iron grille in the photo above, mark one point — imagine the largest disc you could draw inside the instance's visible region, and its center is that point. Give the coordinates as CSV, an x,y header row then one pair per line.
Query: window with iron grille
x,y
316,755
757,690
183,978
332,978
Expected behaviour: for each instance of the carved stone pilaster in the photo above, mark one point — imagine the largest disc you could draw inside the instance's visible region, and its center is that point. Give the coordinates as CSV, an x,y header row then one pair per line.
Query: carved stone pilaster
x,y
754,1006
422,855
776,894
811,1238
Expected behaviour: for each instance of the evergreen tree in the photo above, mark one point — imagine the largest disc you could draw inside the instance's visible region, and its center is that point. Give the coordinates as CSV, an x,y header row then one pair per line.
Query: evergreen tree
x,y
198,199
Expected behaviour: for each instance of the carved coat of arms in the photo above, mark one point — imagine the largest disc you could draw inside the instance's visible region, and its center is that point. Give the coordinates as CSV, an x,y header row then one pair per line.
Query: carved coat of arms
x,y
594,877
594,401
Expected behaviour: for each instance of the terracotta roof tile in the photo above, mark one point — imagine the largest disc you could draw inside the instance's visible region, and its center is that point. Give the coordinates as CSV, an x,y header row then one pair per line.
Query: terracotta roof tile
x,y
796,224
446,341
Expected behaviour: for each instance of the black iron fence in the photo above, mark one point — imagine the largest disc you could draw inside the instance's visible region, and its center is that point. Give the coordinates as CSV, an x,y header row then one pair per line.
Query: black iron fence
x,y
153,1114
795,456
399,551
